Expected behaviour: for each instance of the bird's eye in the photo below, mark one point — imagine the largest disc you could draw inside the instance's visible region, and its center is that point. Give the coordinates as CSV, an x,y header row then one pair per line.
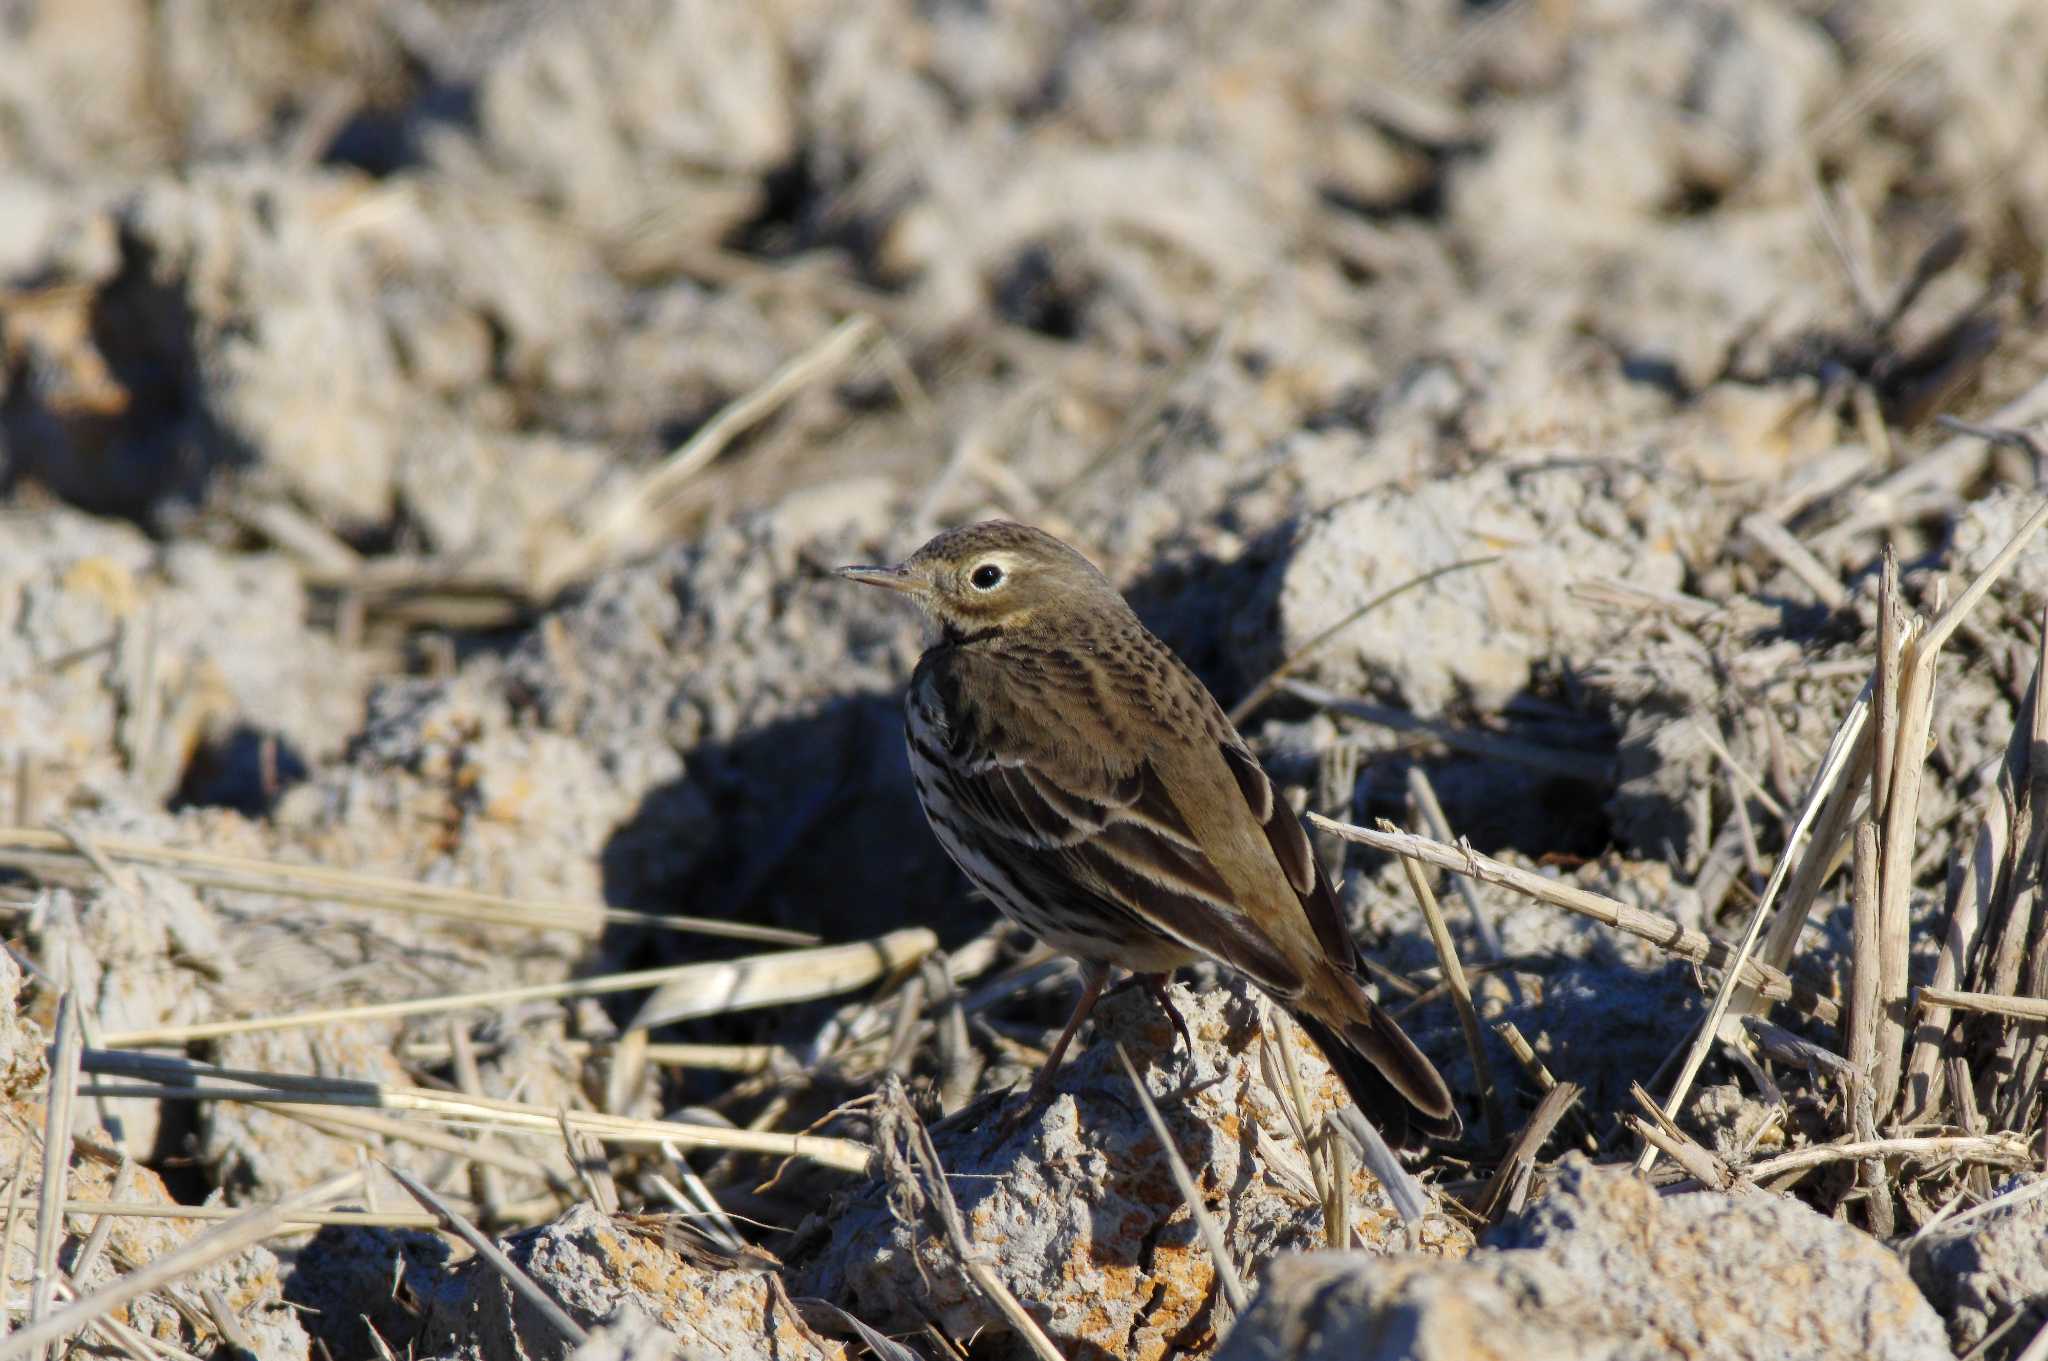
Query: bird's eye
x,y
986,577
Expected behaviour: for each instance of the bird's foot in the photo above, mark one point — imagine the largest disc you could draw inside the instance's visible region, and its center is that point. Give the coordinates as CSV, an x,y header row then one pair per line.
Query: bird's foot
x,y
1162,992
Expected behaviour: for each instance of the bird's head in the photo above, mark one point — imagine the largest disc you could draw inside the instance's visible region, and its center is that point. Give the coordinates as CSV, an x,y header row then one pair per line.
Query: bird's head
x,y
993,575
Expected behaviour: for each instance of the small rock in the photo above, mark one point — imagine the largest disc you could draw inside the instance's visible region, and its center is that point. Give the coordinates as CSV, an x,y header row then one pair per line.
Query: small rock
x,y
1980,1271
595,1270
1604,1267
1472,633
1079,1210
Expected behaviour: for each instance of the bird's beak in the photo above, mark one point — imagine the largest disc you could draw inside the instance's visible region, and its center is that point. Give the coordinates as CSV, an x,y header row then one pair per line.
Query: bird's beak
x,y
897,578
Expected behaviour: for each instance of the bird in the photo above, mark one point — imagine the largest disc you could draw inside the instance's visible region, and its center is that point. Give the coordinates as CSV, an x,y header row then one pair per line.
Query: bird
x,y
1090,785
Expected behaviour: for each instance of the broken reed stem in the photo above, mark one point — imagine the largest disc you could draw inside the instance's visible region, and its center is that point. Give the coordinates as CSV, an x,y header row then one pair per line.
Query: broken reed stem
x,y
721,986
1989,1003
1653,927
1337,1208
38,851
1662,1132
1461,994
486,1181
1997,1150
246,1228
715,987
724,1058
521,1284
65,1052
1975,902
1865,970
1212,1236
1769,534
1705,1170
1865,973
1906,725
1515,1168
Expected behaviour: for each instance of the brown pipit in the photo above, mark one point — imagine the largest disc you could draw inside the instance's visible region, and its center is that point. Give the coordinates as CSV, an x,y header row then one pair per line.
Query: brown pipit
x,y
1090,784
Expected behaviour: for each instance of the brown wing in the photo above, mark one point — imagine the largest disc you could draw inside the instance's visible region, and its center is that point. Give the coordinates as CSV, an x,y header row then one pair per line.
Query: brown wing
x,y
1088,825
1093,840
1391,1067
1284,833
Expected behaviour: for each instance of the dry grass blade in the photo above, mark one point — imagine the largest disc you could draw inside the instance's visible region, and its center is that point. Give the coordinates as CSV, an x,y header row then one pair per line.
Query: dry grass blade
x,y
39,851
639,513
1399,1183
1731,997
917,1181
2036,1348
1659,930
1710,737
96,1241
227,1322
1263,691
522,1284
1771,536
486,1180
729,985
717,1222
246,1228
310,1219
1955,462
1318,1140
14,1181
1461,993
1212,1235
1830,830
1915,713
884,1347
56,1155
588,1159
1432,811
182,1076
1975,903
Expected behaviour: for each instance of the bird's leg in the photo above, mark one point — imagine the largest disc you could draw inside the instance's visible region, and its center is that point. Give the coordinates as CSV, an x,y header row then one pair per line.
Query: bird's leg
x,y
1093,977
1162,993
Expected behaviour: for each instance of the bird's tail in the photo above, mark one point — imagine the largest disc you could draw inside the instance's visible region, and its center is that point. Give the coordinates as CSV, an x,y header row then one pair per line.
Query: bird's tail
x,y
1390,1081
